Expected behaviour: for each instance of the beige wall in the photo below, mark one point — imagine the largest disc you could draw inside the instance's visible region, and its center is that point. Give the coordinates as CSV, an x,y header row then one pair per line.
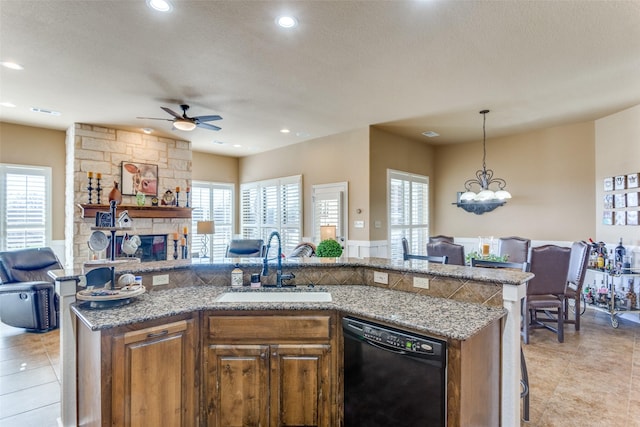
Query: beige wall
x,y
214,168
26,145
390,151
617,153
336,158
550,174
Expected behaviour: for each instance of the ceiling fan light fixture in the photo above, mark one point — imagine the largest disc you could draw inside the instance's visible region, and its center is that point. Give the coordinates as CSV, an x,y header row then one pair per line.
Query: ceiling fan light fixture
x,y
185,125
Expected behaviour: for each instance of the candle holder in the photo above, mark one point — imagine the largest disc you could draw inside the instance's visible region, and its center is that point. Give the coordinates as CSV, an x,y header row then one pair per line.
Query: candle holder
x,y
89,189
177,198
187,199
175,248
185,251
98,190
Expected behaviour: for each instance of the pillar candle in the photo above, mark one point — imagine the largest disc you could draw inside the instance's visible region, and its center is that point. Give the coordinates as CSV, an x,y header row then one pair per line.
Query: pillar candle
x,y
175,236
177,189
89,174
188,189
185,230
183,241
99,175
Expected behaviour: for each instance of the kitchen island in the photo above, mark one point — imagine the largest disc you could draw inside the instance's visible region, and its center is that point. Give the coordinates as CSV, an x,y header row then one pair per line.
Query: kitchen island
x,y
466,306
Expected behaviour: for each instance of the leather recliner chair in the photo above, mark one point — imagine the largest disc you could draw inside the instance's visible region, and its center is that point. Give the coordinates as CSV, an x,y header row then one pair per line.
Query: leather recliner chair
x,y
27,293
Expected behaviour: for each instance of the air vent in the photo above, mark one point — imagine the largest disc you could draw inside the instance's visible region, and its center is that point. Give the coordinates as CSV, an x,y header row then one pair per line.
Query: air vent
x,y
45,111
430,134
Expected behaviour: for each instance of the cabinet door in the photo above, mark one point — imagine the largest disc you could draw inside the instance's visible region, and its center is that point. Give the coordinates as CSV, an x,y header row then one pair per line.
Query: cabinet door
x,y
300,385
154,376
237,385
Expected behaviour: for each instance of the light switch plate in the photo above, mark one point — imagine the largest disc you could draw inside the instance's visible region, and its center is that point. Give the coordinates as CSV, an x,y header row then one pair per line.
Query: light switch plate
x,y
380,277
358,224
421,282
161,279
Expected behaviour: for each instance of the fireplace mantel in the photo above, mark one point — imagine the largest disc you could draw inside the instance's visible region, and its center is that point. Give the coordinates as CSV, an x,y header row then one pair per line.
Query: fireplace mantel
x,y
89,211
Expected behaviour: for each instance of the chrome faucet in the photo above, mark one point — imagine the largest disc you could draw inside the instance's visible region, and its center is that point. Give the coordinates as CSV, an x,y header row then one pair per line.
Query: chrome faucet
x,y
265,266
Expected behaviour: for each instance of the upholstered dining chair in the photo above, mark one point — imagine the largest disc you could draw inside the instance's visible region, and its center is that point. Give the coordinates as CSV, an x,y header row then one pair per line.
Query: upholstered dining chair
x,y
516,248
524,380
454,252
245,248
578,261
546,291
407,256
440,238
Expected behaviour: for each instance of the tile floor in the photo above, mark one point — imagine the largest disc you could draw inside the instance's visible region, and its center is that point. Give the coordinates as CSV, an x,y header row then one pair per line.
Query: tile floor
x,y
592,379
29,378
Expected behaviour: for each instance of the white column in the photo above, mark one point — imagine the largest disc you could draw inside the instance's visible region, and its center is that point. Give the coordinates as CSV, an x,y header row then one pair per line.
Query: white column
x,y
66,290
511,296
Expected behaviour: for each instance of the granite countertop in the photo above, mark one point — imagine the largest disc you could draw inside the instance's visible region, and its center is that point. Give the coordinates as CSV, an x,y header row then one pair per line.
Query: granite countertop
x,y
430,315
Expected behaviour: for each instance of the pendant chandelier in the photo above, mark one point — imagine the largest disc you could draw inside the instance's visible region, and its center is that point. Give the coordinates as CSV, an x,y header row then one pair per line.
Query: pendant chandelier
x,y
486,199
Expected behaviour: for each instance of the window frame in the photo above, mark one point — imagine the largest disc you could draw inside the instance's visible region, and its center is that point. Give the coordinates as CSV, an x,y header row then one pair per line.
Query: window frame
x,y
417,233
224,231
30,170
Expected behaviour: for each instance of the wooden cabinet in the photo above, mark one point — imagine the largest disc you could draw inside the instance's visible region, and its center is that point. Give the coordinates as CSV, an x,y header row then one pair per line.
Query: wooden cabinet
x,y
147,375
270,370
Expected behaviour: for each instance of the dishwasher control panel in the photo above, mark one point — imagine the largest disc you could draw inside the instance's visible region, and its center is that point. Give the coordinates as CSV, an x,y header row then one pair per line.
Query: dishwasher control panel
x,y
394,338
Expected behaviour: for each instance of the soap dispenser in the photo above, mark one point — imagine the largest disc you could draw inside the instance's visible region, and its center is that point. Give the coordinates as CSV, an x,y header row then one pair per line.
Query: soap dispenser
x,y
236,277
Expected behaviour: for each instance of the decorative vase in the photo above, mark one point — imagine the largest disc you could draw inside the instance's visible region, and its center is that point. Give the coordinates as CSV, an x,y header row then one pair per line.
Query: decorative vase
x,y
140,198
115,193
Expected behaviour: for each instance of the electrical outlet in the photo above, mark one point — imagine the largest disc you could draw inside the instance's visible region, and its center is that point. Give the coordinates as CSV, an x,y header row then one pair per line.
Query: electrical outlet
x,y
421,282
382,278
162,279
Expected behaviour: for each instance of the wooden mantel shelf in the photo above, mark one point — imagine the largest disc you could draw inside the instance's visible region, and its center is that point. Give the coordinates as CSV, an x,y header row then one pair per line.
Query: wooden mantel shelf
x,y
89,211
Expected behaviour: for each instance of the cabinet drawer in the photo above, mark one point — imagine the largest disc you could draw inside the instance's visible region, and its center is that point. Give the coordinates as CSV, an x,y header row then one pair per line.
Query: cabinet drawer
x,y
269,327
155,332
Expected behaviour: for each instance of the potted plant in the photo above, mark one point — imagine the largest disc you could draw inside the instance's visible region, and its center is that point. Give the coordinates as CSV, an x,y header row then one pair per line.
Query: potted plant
x,y
329,249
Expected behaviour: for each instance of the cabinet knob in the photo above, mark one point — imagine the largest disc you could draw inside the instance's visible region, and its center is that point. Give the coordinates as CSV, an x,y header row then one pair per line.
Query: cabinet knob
x,y
274,354
263,356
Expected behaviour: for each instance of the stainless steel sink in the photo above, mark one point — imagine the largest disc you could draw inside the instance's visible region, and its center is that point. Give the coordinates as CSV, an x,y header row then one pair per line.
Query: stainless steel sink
x,y
267,296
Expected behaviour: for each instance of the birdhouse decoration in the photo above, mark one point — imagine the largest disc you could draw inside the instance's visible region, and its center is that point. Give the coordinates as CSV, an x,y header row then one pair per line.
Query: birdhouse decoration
x,y
124,220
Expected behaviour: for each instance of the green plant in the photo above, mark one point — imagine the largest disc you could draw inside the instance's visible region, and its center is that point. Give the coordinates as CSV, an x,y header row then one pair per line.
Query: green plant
x,y
490,257
329,248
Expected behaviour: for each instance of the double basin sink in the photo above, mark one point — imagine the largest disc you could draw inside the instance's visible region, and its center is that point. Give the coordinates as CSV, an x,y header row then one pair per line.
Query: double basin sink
x,y
275,296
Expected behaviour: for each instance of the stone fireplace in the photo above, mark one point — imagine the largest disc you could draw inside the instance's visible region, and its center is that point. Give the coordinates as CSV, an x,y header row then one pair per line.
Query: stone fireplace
x,y
102,150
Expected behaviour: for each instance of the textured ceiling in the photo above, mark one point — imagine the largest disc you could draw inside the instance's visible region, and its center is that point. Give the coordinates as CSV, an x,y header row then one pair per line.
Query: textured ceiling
x,y
407,66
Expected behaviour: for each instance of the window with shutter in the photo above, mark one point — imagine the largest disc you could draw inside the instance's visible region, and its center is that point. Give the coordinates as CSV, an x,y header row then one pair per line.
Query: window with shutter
x,y
25,216
273,205
408,212
212,201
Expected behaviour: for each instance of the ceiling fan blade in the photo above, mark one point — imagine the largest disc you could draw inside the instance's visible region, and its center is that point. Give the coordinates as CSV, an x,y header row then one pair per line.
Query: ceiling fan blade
x,y
207,118
207,126
173,113
154,118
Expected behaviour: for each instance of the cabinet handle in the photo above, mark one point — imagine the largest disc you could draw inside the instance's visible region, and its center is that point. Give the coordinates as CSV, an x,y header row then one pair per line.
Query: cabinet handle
x,y
263,356
158,334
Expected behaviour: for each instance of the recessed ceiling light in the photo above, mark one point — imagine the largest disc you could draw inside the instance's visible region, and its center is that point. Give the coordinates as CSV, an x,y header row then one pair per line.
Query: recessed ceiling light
x,y
160,5
237,145
8,104
45,111
11,65
147,130
430,134
287,21
284,130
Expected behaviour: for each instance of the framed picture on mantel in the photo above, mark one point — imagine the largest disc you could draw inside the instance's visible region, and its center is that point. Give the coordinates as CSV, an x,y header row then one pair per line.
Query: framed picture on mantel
x,y
139,177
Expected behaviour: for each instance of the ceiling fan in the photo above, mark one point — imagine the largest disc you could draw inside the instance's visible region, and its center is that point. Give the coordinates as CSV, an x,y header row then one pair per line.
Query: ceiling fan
x,y
186,123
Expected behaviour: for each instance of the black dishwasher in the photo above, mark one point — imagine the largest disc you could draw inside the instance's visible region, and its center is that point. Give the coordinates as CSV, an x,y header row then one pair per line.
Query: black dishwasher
x,y
392,378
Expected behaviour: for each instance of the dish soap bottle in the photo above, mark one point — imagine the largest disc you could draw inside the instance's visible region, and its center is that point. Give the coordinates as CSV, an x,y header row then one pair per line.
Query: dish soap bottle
x,y
236,277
